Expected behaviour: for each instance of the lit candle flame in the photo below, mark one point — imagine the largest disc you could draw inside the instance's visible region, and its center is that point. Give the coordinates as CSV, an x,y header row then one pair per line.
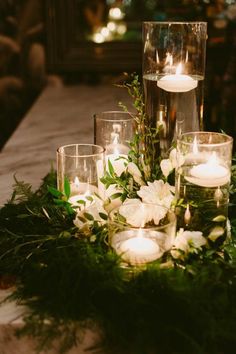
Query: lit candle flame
x,y
213,160
169,59
179,69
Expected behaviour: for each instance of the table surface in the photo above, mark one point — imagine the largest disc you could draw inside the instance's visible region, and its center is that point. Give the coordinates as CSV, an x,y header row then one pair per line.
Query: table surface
x,y
60,116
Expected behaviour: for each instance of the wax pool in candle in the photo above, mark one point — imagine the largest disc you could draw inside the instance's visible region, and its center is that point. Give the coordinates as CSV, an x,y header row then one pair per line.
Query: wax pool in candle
x,y
209,174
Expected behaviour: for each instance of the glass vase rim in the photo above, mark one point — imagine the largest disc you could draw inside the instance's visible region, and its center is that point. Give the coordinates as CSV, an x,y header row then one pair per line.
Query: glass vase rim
x,y
99,116
229,139
101,152
175,22
146,228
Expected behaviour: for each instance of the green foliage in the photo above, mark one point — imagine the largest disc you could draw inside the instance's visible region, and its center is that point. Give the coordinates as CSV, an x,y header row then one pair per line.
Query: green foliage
x,y
71,281
145,151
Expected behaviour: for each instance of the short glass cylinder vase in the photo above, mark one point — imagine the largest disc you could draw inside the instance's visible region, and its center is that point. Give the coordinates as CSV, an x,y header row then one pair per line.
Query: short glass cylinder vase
x,y
79,166
203,176
145,242
114,130
173,75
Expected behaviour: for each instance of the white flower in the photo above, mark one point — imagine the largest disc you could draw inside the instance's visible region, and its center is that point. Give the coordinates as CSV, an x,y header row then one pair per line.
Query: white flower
x,y
95,209
173,157
139,214
135,172
187,242
166,167
157,192
133,211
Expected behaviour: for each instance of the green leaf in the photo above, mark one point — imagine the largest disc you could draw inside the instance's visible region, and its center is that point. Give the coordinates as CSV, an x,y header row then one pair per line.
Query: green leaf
x,y
55,192
89,216
115,195
23,216
103,216
81,218
67,187
111,168
59,201
89,198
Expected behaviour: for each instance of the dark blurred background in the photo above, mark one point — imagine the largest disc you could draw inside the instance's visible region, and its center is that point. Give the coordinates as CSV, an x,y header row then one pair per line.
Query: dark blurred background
x,y
56,42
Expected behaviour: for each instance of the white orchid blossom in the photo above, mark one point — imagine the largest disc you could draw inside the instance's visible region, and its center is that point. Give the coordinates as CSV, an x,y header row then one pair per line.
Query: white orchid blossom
x,y
157,192
133,211
187,242
135,172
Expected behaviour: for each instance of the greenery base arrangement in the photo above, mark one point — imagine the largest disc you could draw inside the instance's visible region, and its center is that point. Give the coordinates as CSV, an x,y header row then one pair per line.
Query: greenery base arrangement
x,y
71,279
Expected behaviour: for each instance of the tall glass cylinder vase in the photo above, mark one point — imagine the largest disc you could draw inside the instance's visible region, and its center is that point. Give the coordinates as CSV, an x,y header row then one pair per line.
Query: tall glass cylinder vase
x,y
173,76
202,183
79,167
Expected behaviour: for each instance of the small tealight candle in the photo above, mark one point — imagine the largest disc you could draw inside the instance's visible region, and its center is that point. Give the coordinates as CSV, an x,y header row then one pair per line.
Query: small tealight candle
x,y
177,82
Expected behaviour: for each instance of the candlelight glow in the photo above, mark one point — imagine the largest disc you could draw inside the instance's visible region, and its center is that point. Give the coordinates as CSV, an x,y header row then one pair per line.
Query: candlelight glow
x,y
179,69
195,146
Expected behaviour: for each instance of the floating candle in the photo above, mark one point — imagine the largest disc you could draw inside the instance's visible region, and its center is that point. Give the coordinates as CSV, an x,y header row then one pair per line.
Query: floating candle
x,y
209,174
177,82
139,250
139,246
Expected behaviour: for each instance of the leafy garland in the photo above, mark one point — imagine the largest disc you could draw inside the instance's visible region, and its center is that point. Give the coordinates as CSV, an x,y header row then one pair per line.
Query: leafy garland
x,y
71,280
